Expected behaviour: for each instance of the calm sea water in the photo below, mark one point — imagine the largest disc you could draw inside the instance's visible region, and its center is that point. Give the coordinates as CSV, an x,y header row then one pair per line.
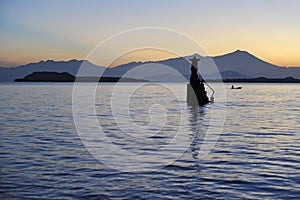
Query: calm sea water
x,y
255,157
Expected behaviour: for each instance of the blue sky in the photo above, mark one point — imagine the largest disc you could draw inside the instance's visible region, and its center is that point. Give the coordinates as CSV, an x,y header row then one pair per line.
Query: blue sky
x,y
34,30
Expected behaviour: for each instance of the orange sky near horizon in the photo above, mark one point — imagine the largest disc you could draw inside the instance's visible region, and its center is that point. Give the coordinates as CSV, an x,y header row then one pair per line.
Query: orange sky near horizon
x,y
30,32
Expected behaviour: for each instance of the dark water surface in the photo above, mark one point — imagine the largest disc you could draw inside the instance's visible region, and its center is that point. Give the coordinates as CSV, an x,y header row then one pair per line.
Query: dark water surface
x,y
257,155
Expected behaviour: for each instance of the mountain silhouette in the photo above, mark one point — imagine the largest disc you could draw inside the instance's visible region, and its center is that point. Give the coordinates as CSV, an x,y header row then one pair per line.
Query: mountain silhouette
x,y
71,66
247,64
237,64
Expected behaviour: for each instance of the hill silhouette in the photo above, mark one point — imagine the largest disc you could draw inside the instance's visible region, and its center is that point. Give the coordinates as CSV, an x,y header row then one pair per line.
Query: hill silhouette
x,y
66,77
234,65
47,77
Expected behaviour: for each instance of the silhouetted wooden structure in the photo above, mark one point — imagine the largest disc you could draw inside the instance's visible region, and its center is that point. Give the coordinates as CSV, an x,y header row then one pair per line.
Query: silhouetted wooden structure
x,y
196,94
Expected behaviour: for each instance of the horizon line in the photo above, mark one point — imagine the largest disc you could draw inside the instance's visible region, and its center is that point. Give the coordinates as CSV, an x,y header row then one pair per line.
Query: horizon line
x,y
144,61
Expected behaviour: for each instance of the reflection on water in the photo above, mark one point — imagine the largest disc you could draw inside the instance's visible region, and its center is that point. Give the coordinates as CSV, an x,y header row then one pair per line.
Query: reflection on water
x,y
256,157
197,128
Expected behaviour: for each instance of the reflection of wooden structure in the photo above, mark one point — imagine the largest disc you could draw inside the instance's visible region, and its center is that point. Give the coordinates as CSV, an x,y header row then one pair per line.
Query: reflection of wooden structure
x,y
196,94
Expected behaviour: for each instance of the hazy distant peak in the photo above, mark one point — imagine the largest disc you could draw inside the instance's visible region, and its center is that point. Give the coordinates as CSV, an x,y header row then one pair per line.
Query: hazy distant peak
x,y
240,51
46,61
238,54
74,60
54,61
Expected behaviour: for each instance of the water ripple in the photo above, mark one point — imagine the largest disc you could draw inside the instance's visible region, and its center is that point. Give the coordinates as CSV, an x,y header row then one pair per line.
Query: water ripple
x,y
257,155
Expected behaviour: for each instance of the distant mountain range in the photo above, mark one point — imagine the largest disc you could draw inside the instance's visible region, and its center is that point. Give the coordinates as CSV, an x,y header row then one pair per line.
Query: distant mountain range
x,y
235,65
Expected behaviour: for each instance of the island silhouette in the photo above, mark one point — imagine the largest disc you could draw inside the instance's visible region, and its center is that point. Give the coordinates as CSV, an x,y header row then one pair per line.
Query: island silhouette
x,y
66,77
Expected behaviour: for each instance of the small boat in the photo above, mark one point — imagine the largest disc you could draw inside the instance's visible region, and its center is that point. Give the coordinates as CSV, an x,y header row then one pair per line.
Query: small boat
x,y
237,88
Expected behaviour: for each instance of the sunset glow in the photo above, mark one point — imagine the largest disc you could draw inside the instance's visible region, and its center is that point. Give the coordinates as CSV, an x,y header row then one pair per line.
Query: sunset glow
x,y
62,30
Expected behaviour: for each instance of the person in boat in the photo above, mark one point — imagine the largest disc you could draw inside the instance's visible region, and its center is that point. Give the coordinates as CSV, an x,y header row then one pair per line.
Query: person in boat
x,y
232,87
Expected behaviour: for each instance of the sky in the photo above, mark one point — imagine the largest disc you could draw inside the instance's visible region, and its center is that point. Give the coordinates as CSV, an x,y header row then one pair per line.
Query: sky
x,y
35,30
